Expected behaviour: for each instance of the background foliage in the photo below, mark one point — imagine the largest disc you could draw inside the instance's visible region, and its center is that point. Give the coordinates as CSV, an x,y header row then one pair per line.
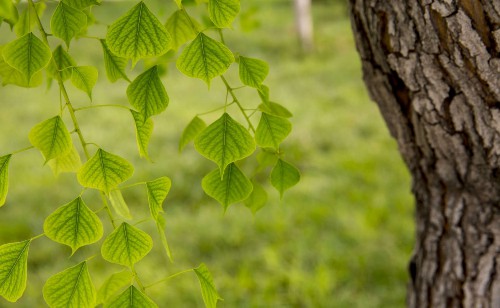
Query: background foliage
x,y
340,238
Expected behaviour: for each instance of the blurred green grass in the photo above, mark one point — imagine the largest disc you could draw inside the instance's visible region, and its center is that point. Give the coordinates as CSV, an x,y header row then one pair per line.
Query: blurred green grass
x,y
341,238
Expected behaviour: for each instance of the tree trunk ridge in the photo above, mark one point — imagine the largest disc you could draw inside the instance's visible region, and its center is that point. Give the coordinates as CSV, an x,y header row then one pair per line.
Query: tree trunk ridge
x,y
433,67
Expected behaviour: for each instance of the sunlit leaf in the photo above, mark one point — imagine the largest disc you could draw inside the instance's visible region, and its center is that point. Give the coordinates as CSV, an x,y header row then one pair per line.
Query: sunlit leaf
x,y
115,65
208,291
72,287
113,284
161,226
69,162
224,142
8,11
4,178
275,109
284,176
223,12
13,269
252,71
84,78
62,63
104,171
232,188
12,76
143,131
263,91
192,130
204,58
119,204
81,4
27,54
51,137
147,93
272,130
138,34
27,19
126,245
257,199
157,192
67,22
182,27
131,298
73,224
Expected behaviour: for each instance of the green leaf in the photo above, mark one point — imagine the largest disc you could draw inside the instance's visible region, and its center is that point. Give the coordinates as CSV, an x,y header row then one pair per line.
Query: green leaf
x,y
27,54
275,109
51,137
13,269
72,287
138,34
225,141
67,22
252,71
74,225
161,226
223,12
119,204
131,298
263,91
81,4
143,131
12,76
115,66
8,11
157,192
147,94
104,171
284,176
4,178
180,26
208,291
232,188
204,58
113,284
84,78
62,63
27,20
257,199
126,245
70,162
192,130
272,130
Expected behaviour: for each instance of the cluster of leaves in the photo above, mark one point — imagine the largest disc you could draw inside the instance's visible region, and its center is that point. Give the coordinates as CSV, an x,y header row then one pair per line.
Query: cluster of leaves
x,y
136,35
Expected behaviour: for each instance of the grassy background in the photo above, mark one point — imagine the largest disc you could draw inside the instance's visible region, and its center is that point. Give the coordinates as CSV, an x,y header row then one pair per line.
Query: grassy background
x,y
341,238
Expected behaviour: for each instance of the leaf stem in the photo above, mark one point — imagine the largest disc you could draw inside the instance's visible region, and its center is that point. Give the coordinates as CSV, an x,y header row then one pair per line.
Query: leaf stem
x,y
230,90
136,277
23,150
214,110
168,278
99,106
106,206
37,236
132,185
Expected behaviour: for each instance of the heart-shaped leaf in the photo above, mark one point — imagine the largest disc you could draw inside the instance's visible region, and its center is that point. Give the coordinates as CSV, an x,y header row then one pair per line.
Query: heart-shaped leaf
x,y
223,12
182,27
63,64
284,176
131,298
67,22
272,130
115,65
147,93
192,130
208,291
157,192
84,78
13,269
252,71
113,284
51,137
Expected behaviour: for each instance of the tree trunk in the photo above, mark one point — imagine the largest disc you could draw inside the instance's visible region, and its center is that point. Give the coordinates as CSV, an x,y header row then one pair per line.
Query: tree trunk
x,y
433,67
304,24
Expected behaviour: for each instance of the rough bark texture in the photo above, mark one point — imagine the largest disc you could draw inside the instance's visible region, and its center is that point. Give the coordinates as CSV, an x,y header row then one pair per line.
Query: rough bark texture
x,y
433,67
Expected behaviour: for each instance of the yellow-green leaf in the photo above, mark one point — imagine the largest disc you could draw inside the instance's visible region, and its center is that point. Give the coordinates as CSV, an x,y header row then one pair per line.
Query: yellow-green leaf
x,y
8,11
67,22
119,204
138,34
115,65
27,19
81,4
74,225
252,71
27,54
147,93
113,284
284,176
62,63
69,162
157,192
161,226
223,12
126,245
208,291
84,78
131,298
13,269
225,141
182,27
51,137
272,130
257,198
204,58
143,131
104,171
192,130
4,178
72,287
275,109
233,187
12,76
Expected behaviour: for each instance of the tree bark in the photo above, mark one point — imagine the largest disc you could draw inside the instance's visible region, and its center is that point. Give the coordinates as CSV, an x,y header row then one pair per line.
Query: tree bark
x,y
433,67
304,24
